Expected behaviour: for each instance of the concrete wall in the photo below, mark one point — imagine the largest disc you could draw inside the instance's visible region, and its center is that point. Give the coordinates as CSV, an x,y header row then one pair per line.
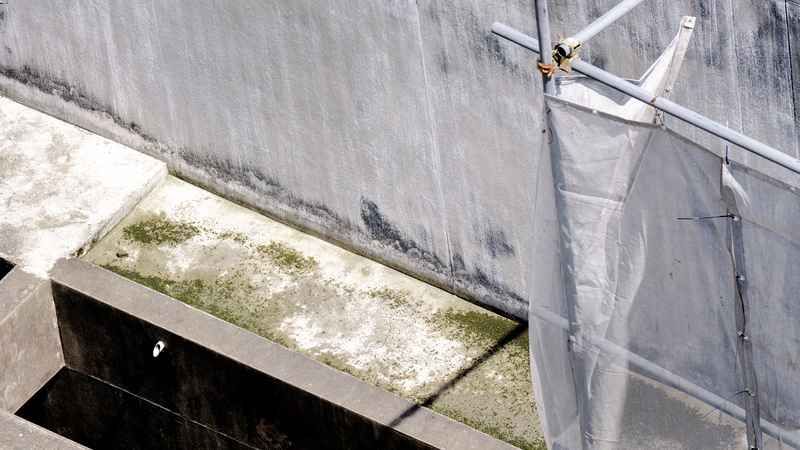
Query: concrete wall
x,y
400,128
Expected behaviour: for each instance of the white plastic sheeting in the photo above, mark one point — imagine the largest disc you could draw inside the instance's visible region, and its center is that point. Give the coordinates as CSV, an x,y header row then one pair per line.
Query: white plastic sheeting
x,y
642,336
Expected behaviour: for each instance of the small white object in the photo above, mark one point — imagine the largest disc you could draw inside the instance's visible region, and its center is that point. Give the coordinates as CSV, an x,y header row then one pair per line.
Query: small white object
x,y
160,346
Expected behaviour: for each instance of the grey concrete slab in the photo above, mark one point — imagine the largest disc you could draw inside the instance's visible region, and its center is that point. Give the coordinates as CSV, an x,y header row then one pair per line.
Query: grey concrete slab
x,y
269,358
62,187
30,345
19,434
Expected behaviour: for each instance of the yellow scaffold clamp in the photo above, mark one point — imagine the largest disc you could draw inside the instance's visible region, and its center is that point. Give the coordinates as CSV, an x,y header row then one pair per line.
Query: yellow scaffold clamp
x,y
564,52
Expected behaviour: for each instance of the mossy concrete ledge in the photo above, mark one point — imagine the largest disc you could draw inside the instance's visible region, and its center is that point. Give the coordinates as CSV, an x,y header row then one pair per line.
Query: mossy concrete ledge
x,y
383,327
183,322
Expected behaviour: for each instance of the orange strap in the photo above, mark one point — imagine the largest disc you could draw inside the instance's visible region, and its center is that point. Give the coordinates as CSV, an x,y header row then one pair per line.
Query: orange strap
x,y
548,70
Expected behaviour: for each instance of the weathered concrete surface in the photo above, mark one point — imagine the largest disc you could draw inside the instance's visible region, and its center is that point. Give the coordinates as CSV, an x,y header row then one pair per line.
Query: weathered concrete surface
x,y
349,312
207,361
62,187
402,129
30,346
18,434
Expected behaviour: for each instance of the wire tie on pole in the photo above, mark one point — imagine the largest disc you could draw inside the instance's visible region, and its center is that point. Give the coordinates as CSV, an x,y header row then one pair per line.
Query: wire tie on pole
x,y
742,335
746,391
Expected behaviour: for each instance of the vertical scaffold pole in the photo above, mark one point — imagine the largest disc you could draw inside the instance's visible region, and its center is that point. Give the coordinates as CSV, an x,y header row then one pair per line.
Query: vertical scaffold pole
x,y
546,56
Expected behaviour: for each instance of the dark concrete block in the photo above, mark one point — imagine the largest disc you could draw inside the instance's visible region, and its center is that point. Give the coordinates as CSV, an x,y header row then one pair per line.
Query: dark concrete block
x,y
230,380
99,415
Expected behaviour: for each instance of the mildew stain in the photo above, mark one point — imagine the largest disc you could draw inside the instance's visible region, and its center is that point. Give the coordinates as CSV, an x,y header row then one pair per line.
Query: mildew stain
x,y
253,180
71,94
383,231
496,243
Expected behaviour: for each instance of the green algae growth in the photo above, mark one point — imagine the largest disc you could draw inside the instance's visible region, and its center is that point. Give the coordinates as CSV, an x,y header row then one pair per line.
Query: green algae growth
x,y
159,230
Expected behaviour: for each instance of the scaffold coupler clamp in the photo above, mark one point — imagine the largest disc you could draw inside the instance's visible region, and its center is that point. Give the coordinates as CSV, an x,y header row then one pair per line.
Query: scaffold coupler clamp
x,y
564,52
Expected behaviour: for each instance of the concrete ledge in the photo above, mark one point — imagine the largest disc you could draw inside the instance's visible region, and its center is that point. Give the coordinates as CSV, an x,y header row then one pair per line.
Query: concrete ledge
x,y
30,347
342,390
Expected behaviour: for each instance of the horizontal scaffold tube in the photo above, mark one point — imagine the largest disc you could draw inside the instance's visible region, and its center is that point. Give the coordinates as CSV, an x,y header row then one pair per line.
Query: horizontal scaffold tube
x,y
604,21
660,103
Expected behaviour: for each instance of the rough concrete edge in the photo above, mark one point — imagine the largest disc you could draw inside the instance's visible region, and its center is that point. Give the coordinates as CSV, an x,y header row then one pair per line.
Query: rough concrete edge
x,y
104,125
155,179
19,434
259,353
25,289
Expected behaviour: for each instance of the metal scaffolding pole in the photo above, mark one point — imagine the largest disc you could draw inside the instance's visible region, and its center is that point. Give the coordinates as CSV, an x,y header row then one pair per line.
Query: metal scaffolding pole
x,y
643,365
604,21
543,30
660,103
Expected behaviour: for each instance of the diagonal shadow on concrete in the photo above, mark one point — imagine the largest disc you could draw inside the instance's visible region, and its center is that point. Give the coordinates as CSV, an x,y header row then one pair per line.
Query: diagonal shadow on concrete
x,y
514,333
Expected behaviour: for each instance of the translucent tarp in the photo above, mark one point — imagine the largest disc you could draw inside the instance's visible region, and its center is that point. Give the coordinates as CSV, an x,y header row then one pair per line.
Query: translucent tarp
x,y
666,313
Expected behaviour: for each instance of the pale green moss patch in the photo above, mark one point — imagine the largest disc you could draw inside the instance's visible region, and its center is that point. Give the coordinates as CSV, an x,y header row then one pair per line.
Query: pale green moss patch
x,y
498,432
160,230
215,297
476,326
234,236
393,297
287,258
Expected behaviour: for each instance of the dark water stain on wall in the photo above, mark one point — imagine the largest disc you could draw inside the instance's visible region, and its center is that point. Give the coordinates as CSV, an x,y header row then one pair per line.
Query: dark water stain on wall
x,y
483,287
381,230
496,243
71,94
444,62
473,283
386,240
223,172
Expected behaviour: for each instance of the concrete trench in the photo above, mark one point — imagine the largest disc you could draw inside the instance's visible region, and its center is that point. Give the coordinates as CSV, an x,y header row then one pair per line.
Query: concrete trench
x,y
213,386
